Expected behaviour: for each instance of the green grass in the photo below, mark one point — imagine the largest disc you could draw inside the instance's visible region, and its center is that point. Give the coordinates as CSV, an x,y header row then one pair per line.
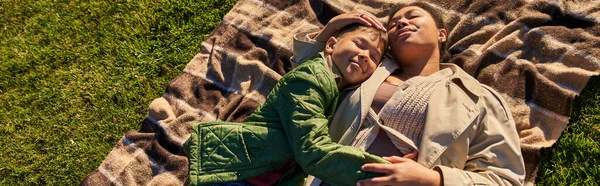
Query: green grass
x,y
575,157
74,77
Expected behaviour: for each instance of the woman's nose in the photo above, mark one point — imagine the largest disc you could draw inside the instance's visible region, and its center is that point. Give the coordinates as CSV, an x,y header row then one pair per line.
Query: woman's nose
x,y
403,22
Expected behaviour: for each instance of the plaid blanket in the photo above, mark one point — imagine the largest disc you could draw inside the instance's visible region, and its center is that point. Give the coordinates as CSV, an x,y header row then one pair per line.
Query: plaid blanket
x,y
538,54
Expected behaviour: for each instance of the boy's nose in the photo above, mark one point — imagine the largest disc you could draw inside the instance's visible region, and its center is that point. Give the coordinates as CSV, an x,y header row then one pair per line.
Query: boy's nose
x,y
362,57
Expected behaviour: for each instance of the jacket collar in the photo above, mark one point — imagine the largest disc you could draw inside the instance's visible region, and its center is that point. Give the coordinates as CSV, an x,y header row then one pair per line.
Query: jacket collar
x,y
467,81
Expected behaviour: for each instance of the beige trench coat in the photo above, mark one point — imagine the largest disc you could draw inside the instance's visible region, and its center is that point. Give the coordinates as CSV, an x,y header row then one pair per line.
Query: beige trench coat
x,y
469,133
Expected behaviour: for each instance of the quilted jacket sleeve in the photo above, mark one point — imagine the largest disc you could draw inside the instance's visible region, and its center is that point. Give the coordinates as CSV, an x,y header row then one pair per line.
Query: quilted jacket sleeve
x,y
222,151
304,98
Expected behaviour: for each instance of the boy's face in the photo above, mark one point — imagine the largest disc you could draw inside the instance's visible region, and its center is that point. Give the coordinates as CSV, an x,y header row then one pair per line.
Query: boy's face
x,y
356,54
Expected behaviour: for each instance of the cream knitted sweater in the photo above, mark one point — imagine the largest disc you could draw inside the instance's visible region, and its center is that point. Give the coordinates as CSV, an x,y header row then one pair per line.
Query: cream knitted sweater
x,y
403,115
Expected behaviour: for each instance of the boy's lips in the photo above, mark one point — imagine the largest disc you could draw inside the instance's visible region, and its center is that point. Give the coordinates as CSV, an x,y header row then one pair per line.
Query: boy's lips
x,y
356,64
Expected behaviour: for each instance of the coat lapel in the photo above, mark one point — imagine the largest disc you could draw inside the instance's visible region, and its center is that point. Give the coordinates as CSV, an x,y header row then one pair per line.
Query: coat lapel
x,y
356,104
354,108
450,112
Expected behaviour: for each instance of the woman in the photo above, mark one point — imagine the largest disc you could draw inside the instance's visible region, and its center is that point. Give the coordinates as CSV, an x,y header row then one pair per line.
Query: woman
x,y
461,130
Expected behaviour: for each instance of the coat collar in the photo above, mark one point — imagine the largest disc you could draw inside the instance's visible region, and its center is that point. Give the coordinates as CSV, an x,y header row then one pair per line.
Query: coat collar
x,y
356,102
459,110
467,81
435,147
368,89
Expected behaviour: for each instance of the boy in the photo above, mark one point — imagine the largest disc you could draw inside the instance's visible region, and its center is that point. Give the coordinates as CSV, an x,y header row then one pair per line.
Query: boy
x,y
287,136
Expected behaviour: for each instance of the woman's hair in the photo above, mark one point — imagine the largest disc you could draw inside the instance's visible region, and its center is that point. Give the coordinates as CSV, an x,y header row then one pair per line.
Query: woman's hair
x,y
436,13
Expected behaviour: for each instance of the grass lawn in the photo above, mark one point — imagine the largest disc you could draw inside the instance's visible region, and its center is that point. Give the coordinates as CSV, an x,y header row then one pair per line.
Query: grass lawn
x,y
575,157
74,77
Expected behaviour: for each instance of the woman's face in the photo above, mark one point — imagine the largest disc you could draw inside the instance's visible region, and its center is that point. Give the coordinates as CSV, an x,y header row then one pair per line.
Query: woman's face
x,y
411,30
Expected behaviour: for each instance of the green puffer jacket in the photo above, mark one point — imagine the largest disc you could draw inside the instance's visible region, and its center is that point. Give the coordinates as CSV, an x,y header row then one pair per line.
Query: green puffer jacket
x,y
290,125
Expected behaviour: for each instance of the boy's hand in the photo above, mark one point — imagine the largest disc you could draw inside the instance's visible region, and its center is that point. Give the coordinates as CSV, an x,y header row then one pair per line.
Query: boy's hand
x,y
402,171
340,21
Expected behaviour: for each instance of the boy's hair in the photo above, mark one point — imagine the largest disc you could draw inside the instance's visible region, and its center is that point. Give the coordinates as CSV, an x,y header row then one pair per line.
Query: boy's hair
x,y
436,13
382,36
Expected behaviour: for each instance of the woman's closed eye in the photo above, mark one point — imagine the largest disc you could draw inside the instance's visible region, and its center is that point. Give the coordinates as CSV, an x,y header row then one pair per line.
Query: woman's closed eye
x,y
413,15
392,25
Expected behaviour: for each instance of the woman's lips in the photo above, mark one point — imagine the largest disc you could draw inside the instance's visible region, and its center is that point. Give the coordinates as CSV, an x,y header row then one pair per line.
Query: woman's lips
x,y
404,32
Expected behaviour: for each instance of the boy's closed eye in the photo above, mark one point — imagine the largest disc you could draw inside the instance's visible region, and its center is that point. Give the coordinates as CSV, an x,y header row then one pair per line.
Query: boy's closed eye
x,y
364,45
358,43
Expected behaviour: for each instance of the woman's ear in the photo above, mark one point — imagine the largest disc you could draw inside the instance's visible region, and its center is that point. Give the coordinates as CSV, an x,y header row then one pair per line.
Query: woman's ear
x,y
442,35
330,44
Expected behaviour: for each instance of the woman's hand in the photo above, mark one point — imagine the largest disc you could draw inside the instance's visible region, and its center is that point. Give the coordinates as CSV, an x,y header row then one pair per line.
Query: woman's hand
x,y
340,21
402,171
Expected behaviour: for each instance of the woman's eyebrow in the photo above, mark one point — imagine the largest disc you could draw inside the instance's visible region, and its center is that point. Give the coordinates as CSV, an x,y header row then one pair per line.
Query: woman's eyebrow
x,y
405,13
394,19
411,11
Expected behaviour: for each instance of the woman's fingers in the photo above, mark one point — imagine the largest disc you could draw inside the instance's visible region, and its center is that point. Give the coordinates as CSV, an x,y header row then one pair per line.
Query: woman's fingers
x,y
378,167
374,22
385,180
340,21
361,16
412,155
396,159
364,21
371,18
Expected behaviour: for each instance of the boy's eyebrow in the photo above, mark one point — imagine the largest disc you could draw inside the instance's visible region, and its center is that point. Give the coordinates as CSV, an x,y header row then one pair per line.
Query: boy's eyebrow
x,y
377,51
377,47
